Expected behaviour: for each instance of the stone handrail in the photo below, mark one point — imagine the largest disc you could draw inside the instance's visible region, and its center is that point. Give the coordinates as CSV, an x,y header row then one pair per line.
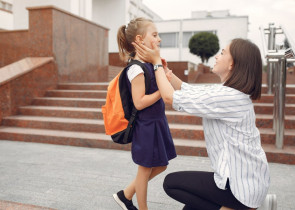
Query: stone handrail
x,y
19,68
24,80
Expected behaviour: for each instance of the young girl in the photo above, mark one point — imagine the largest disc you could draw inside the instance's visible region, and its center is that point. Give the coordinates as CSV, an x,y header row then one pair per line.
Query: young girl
x,y
240,177
152,145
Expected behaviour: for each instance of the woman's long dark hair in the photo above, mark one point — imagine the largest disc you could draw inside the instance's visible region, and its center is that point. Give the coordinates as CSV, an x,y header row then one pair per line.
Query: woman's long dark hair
x,y
246,75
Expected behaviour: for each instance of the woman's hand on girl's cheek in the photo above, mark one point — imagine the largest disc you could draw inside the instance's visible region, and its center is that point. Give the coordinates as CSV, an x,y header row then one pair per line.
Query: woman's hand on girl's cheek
x,y
146,54
142,51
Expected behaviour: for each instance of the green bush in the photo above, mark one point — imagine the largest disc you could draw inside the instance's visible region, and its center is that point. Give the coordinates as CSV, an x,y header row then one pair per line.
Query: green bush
x,y
204,45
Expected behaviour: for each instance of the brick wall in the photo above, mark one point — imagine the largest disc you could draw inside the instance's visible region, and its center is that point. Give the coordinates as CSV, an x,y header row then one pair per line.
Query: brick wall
x,y
79,47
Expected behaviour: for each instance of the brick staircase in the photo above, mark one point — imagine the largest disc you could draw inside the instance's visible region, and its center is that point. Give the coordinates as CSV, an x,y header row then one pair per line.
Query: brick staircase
x,y
71,115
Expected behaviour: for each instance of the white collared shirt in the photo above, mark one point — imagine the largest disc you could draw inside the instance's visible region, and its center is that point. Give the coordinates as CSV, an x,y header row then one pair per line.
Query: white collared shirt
x,y
232,138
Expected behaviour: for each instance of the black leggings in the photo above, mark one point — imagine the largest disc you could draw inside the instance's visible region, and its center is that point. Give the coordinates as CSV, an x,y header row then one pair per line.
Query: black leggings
x,y
197,190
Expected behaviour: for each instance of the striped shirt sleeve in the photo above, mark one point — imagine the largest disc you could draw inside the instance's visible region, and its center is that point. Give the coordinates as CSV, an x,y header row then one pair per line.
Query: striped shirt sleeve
x,y
212,101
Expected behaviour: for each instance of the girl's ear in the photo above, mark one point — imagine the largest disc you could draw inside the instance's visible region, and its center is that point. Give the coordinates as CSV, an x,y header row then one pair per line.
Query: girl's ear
x,y
138,38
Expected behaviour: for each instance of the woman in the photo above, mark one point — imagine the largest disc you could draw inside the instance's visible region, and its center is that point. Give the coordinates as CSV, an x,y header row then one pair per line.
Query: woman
x,y
240,177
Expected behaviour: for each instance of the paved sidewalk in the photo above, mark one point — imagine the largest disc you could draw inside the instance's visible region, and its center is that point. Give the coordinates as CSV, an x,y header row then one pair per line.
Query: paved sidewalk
x,y
70,178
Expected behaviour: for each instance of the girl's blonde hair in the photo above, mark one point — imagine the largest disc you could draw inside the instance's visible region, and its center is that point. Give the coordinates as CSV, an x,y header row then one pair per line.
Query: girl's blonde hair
x,y
126,35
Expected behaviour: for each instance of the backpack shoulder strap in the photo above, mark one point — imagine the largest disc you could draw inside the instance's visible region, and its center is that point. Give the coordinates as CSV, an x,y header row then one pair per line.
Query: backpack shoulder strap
x,y
126,96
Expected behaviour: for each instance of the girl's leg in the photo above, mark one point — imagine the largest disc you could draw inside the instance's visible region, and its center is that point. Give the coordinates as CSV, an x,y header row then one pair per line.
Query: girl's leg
x,y
129,191
198,190
156,171
141,183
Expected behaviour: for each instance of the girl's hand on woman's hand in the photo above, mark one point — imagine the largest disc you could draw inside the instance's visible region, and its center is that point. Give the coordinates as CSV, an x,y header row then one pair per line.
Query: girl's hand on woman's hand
x,y
169,74
150,55
165,65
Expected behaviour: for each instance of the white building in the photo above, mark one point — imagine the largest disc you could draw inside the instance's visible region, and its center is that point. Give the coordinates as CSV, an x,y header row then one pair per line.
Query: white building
x,y
175,34
109,13
6,15
112,14
115,13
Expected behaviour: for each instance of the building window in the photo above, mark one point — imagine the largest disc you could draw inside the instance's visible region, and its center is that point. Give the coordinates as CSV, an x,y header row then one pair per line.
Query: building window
x,y
169,40
186,36
6,6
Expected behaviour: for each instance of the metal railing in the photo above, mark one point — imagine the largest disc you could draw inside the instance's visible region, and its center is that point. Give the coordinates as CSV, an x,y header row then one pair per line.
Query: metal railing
x,y
276,75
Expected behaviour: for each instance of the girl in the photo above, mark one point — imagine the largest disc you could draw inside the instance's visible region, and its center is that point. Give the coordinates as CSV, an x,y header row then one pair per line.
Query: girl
x,y
240,177
152,145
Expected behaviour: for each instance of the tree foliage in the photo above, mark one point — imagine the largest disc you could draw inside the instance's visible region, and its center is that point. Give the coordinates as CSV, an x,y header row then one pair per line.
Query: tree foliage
x,y
204,45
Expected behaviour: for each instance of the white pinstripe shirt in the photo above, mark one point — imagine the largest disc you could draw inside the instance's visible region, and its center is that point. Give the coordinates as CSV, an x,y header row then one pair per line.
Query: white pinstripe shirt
x,y
232,138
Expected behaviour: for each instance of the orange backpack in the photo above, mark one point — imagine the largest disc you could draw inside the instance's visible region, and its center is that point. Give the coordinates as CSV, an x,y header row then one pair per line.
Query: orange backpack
x,y
119,113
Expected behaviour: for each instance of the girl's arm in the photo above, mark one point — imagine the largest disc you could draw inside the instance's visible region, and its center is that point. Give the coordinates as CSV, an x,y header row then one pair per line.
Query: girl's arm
x,y
153,56
140,99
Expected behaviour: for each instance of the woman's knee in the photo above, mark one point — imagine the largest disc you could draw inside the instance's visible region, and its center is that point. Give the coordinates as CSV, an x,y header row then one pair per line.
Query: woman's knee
x,y
168,181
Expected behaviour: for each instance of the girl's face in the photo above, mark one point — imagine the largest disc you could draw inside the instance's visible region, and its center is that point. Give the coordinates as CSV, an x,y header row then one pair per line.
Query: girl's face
x,y
151,36
224,64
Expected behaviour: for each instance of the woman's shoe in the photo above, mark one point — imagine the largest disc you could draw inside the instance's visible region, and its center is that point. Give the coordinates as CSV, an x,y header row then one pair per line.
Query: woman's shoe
x,y
270,203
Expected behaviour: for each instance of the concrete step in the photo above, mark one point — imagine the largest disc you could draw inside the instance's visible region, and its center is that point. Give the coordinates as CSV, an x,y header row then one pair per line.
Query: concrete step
x,y
55,123
266,121
72,138
262,121
83,86
59,111
192,132
99,140
77,93
266,98
267,108
290,88
69,102
260,108
198,148
178,131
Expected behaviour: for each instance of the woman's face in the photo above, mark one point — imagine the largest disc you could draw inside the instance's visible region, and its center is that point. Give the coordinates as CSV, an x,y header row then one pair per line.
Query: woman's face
x,y
151,36
224,64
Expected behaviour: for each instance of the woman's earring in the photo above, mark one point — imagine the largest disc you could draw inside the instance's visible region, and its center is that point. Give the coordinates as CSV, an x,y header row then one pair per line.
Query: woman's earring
x,y
142,43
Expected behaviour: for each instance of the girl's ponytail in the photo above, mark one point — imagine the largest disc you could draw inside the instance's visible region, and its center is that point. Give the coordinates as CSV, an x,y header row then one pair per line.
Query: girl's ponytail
x,y
124,48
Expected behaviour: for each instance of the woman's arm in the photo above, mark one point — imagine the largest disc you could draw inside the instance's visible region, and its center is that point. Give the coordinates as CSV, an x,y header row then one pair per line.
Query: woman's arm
x,y
153,56
140,99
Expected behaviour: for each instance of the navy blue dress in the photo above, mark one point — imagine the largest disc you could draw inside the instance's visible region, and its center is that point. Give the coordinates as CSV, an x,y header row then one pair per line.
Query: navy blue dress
x,y
152,143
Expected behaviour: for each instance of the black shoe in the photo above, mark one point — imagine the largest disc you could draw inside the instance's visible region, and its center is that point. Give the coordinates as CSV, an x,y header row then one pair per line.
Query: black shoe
x,y
123,201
